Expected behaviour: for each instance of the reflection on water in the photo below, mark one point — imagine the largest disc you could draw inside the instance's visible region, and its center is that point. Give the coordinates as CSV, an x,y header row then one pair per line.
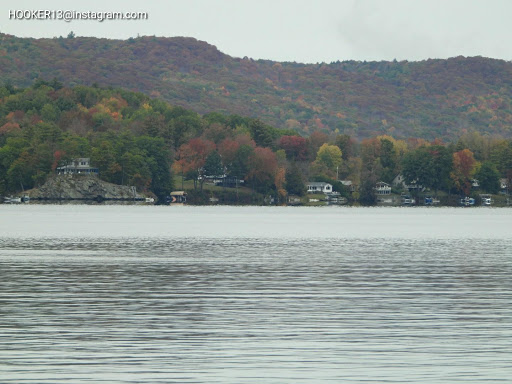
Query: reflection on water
x,y
161,309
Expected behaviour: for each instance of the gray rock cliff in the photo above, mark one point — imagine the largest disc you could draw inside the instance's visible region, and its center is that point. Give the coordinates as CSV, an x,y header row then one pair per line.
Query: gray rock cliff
x,y
82,187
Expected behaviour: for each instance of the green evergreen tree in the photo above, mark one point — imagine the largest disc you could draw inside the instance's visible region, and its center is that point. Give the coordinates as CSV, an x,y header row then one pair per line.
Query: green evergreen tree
x,y
213,165
488,178
294,181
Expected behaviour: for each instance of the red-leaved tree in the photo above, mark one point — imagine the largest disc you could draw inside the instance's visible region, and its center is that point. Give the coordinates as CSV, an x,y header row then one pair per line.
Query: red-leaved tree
x,y
296,147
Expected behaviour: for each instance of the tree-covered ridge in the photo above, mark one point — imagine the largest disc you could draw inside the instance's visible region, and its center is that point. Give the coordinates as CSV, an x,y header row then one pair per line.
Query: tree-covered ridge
x,y
428,99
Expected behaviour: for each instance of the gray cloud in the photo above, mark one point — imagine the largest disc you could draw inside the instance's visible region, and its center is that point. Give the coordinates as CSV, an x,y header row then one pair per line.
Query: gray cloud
x,y
415,30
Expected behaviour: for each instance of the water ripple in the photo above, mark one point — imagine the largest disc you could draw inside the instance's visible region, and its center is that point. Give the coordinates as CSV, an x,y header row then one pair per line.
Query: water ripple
x,y
248,310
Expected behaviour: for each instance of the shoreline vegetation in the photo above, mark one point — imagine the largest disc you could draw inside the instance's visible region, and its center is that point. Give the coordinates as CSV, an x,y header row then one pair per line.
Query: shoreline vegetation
x,y
84,189
148,148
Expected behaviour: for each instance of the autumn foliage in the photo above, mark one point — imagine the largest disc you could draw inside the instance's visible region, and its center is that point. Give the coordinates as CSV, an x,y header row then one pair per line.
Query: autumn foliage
x,y
427,99
144,142
464,166
296,147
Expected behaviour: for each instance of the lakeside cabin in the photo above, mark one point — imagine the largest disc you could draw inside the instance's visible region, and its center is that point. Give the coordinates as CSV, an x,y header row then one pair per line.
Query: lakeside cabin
x,y
82,165
382,188
399,182
349,184
317,187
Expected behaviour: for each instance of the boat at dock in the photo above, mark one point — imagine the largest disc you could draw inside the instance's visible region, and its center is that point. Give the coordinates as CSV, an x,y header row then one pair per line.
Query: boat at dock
x,y
16,199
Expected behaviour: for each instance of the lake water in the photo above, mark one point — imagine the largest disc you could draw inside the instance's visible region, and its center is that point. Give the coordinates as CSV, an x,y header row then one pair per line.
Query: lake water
x,y
129,294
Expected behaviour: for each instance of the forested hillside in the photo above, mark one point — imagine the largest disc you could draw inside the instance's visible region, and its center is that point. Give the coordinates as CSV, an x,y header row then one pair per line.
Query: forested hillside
x,y
131,138
428,99
146,142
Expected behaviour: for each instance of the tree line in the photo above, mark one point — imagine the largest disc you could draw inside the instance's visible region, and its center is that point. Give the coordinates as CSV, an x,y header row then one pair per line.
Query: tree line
x,y
141,141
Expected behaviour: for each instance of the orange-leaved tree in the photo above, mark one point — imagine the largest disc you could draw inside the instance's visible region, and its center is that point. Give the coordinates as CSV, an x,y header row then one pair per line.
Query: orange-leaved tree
x,y
464,167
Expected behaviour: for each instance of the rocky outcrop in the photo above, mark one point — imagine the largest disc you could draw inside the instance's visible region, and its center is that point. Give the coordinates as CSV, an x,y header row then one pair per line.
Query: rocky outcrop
x,y
83,187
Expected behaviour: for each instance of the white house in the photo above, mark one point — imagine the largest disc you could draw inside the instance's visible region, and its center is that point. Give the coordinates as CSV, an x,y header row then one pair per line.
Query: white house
x,y
82,165
317,187
382,188
399,181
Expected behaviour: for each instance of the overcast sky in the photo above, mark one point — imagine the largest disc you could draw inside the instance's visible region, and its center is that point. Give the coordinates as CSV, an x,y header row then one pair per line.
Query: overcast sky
x,y
297,30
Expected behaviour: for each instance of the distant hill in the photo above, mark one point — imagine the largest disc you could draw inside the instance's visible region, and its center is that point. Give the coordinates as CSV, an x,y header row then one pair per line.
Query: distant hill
x,y
428,99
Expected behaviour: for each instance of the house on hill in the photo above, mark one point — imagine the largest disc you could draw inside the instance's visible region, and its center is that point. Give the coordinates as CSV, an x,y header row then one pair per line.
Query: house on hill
x,y
81,165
